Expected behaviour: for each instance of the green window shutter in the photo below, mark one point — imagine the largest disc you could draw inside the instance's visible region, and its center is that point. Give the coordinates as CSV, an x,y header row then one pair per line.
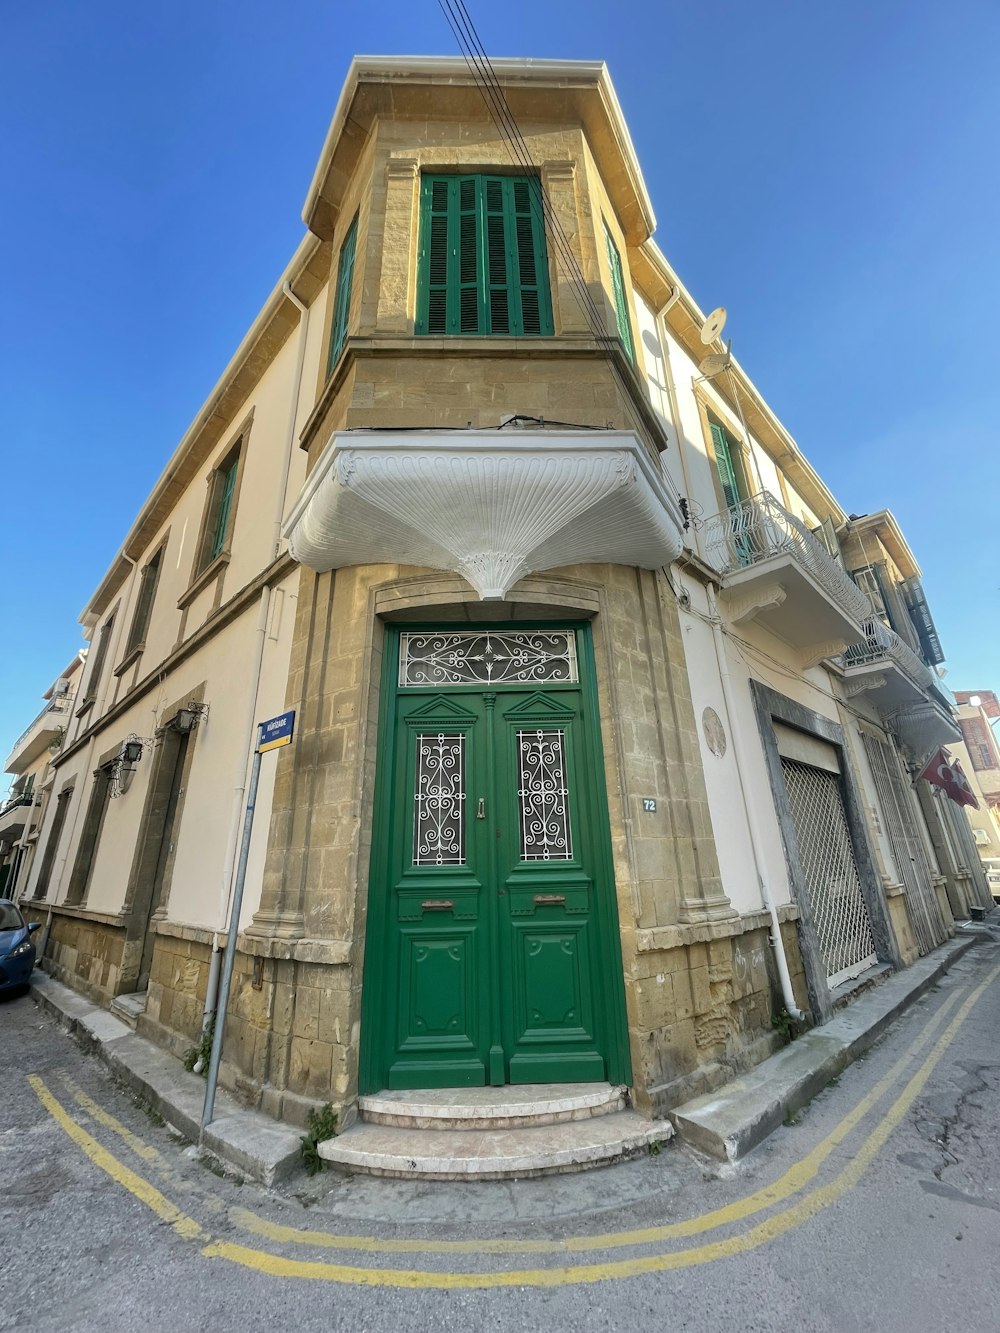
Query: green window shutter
x,y
482,263
725,466
227,488
342,299
621,302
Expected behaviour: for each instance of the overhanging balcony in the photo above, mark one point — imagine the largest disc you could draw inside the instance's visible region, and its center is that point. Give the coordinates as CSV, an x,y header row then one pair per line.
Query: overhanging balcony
x,y
775,572
14,817
887,667
44,732
492,506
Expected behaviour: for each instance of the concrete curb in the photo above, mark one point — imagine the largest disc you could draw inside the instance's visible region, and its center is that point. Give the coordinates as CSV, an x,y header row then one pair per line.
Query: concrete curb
x,y
730,1122
254,1144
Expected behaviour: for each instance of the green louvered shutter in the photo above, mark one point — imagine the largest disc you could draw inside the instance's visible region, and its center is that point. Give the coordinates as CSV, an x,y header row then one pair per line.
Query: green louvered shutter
x,y
743,521
482,264
228,483
621,303
726,468
342,300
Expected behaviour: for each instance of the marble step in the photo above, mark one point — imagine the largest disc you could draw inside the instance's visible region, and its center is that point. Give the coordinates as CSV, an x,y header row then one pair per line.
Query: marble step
x,y
515,1106
493,1154
129,1007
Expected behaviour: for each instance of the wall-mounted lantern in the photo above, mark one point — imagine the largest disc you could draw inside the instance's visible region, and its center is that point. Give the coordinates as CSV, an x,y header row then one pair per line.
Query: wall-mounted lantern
x,y
123,766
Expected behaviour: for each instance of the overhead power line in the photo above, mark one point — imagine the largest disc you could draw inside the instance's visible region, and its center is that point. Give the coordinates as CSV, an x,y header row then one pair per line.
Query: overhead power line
x,y
480,67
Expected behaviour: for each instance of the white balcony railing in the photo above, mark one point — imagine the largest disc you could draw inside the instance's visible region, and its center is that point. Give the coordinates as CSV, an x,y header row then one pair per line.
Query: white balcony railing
x,y
881,643
761,528
62,704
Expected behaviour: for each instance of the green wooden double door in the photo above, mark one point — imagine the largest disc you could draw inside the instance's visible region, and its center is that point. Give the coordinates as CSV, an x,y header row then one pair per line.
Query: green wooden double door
x,y
493,951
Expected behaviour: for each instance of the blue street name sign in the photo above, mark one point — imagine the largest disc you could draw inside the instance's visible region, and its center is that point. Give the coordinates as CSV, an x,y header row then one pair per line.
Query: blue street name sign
x,y
276,731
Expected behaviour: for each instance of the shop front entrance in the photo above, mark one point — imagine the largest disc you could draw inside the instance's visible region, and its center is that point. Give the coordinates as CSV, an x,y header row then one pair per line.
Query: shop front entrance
x,y
493,950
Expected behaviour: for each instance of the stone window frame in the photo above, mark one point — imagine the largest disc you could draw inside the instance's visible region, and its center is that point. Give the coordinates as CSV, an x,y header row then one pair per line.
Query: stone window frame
x,y
93,826
99,661
136,641
710,412
206,567
56,830
403,172
148,839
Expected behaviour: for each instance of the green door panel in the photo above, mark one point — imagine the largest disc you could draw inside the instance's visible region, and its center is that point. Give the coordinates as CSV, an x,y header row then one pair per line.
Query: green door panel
x,y
438,1036
493,948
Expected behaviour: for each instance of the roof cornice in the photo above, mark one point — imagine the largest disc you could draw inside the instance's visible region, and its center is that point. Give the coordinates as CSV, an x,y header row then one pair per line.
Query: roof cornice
x,y
454,71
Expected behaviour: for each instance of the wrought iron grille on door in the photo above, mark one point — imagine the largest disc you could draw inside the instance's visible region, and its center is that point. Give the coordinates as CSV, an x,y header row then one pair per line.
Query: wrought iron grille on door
x,y
840,917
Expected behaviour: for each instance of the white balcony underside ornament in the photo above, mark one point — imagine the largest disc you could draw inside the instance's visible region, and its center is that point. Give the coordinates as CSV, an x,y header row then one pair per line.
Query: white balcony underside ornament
x,y
490,506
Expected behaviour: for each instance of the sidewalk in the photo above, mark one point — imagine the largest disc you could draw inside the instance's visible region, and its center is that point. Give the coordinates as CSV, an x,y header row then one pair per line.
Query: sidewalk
x,y
730,1122
726,1124
259,1147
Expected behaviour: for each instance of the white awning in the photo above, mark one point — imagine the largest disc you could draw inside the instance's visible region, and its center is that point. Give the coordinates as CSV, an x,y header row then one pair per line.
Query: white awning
x,y
491,505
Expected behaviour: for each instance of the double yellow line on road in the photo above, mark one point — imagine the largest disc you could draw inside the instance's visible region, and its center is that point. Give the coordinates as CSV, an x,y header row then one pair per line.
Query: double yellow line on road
x,y
792,1182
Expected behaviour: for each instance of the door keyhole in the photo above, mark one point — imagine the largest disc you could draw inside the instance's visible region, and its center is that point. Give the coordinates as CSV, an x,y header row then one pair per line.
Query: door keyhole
x,y
481,808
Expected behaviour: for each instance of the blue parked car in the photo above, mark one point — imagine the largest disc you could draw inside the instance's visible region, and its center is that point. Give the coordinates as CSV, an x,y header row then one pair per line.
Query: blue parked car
x,y
17,948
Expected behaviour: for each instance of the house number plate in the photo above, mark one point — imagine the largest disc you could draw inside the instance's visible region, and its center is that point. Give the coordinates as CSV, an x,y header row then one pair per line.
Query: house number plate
x,y
649,805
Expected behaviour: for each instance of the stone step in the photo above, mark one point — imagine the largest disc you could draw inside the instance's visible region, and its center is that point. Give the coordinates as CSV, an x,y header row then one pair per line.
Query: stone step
x,y
510,1107
505,1154
129,1007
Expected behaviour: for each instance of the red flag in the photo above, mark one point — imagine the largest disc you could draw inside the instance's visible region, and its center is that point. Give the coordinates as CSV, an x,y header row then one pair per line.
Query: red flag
x,y
948,775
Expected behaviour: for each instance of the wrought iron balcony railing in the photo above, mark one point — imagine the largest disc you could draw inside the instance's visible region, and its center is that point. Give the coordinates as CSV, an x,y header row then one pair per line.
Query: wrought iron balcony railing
x,y
61,704
881,643
761,528
13,802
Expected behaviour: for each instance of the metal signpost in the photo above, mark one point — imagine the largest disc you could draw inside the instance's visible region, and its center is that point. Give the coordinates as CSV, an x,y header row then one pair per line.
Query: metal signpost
x,y
271,735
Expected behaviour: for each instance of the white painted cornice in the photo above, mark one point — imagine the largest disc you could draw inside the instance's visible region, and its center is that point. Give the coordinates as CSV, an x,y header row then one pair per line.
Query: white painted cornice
x,y
491,506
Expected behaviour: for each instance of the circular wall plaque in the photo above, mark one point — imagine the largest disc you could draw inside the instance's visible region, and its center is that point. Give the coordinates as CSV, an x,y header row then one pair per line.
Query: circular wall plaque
x,y
715,732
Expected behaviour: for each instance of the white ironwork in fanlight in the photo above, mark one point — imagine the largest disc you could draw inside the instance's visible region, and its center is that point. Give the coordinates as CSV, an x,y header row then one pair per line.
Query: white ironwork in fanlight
x,y
760,528
543,795
882,643
485,505
439,800
488,657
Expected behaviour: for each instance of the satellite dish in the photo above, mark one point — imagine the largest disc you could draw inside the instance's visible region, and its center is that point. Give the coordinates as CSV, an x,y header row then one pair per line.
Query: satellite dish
x,y
716,362
713,325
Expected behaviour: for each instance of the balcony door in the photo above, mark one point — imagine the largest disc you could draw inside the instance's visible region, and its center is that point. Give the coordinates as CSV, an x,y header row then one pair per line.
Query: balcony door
x,y
735,492
493,951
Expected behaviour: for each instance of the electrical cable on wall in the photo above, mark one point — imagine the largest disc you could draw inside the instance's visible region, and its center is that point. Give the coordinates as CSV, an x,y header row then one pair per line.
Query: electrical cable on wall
x,y
498,108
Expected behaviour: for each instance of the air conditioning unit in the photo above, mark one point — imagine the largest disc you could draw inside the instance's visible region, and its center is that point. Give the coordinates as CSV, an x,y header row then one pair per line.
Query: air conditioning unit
x,y
61,687
981,836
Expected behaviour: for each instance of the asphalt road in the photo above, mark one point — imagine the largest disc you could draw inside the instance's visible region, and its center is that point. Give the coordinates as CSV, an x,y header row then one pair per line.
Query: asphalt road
x,y
878,1209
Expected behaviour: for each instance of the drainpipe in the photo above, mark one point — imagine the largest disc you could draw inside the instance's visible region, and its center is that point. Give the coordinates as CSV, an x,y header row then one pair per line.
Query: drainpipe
x,y
767,898
663,333
293,411
260,638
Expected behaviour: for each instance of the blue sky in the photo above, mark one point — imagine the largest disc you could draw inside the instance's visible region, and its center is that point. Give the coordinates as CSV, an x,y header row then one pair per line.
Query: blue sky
x,y
827,172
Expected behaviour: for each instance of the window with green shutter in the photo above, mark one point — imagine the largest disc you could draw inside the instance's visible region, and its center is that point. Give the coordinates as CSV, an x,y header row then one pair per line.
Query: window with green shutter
x,y
226,484
725,466
621,301
342,299
482,262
